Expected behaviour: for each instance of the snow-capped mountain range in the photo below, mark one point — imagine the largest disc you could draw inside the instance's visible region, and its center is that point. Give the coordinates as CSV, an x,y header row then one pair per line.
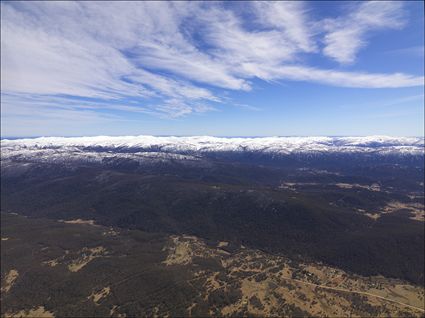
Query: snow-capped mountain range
x,y
191,148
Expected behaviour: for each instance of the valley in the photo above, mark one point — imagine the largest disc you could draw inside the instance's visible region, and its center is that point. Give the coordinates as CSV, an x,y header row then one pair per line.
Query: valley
x,y
239,233
196,277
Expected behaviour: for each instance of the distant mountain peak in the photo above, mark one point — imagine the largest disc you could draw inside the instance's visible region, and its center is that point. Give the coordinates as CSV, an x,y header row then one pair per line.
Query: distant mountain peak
x,y
205,144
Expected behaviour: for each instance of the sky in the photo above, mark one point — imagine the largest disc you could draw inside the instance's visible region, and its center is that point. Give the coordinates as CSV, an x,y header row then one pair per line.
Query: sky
x,y
212,68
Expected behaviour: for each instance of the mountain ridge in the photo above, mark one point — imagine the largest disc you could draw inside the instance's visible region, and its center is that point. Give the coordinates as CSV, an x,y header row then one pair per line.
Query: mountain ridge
x,y
206,144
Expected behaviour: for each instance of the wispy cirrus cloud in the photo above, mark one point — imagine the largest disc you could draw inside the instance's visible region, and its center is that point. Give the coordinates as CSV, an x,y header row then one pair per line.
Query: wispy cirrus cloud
x,y
347,35
413,51
338,78
171,59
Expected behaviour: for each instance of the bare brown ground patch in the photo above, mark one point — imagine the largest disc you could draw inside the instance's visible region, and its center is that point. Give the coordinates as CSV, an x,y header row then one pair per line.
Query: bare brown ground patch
x,y
222,244
87,255
38,312
80,221
417,209
80,258
51,263
182,249
9,280
270,284
97,296
113,312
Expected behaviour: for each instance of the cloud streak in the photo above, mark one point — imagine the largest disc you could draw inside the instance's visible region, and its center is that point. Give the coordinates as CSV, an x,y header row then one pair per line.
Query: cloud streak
x,y
171,59
347,35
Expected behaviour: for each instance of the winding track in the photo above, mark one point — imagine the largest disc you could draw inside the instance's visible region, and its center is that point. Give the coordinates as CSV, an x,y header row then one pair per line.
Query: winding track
x,y
353,291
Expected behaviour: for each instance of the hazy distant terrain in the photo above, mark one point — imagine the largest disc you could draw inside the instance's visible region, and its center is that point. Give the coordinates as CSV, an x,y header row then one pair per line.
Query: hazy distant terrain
x,y
213,226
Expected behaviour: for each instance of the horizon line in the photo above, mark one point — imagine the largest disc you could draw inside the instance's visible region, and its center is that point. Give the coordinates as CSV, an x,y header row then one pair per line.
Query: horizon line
x,y
201,135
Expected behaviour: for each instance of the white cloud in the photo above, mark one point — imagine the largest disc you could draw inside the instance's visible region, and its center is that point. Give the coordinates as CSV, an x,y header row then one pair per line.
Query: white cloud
x,y
409,52
290,18
171,58
347,35
346,79
44,60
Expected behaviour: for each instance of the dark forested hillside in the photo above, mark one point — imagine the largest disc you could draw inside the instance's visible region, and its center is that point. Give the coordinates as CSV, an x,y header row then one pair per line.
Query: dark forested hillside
x,y
325,208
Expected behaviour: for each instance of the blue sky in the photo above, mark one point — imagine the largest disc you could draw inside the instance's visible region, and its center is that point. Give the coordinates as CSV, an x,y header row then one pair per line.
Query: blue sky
x,y
211,68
